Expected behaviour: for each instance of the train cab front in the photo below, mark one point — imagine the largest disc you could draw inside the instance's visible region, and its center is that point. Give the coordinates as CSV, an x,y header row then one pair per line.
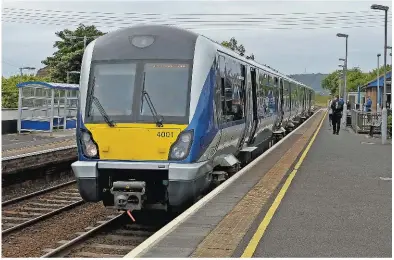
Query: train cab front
x,y
112,167
134,137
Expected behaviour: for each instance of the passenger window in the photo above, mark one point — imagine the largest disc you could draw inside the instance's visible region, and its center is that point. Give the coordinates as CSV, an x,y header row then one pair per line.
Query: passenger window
x,y
233,98
286,96
262,104
276,95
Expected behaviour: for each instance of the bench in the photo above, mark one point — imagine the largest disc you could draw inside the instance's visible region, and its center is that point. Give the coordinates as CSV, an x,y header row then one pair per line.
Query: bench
x,y
373,124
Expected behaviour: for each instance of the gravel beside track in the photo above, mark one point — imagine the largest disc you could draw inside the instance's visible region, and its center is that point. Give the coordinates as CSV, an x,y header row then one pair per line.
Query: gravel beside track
x,y
31,241
30,186
117,236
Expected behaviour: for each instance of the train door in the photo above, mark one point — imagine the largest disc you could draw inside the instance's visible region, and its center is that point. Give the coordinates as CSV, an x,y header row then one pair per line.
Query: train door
x,y
246,94
255,121
282,102
286,100
219,91
279,97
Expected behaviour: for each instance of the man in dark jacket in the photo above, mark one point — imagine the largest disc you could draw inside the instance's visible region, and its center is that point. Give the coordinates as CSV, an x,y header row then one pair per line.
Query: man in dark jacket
x,y
337,108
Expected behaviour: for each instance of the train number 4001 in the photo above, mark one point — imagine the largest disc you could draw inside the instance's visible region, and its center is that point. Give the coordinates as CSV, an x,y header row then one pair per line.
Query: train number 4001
x,y
165,134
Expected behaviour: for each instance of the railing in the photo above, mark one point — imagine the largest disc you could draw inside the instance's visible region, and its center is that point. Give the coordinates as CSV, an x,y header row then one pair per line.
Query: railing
x,y
362,121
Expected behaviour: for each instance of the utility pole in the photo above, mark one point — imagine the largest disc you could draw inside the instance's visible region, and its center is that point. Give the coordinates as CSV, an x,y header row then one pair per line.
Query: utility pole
x,y
25,68
85,39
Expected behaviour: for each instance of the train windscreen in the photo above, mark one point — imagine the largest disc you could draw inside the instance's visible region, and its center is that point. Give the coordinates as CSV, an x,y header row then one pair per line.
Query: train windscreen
x,y
167,86
119,89
113,85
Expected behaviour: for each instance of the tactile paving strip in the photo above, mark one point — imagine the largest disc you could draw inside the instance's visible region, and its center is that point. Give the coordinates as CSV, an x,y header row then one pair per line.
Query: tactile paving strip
x,y
224,239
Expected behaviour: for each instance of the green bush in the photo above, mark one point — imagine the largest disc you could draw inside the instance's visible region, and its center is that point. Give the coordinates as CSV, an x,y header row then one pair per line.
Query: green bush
x,y
9,91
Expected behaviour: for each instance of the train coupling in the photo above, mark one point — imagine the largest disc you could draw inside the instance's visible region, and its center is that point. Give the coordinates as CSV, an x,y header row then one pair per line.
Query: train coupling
x,y
128,195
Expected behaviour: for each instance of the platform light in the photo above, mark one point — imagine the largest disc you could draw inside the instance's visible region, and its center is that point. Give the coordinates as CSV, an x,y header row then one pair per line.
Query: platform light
x,y
379,7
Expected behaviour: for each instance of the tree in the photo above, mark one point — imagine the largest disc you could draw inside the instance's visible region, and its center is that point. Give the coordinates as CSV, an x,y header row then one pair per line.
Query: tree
x,y
250,56
355,78
233,45
68,57
331,82
9,91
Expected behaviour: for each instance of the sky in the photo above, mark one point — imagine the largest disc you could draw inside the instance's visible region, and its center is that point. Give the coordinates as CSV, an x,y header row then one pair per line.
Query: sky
x,y
291,51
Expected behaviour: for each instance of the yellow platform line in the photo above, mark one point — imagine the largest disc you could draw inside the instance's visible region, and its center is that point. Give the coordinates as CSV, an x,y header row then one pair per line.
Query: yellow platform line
x,y
253,243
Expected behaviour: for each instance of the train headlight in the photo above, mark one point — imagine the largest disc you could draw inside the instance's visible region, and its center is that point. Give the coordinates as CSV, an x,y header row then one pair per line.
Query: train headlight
x,y
89,147
91,150
85,137
181,148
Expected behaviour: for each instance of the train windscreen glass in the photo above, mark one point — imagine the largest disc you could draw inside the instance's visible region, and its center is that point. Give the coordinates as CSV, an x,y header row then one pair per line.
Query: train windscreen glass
x,y
113,86
167,86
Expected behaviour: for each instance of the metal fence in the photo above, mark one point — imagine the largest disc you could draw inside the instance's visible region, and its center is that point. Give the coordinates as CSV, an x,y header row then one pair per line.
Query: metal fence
x,y
362,121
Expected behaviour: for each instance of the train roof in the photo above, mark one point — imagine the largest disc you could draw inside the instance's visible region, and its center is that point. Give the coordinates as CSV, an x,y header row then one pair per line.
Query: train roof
x,y
172,32
256,64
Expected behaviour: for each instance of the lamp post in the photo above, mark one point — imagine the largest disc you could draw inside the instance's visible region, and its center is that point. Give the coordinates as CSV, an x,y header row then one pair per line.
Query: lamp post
x,y
340,81
391,63
384,110
343,73
344,118
378,85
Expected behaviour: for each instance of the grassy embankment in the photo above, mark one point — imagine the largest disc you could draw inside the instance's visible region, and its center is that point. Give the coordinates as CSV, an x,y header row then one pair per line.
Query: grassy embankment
x,y
321,101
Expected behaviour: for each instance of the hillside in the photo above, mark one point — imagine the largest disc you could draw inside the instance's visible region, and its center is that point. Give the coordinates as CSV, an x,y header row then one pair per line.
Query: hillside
x,y
313,80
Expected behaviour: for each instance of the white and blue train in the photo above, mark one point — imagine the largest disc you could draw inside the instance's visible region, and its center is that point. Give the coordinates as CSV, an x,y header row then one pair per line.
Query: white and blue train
x,y
164,112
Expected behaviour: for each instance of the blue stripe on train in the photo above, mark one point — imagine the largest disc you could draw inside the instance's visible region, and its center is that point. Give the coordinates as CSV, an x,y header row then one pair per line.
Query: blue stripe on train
x,y
203,120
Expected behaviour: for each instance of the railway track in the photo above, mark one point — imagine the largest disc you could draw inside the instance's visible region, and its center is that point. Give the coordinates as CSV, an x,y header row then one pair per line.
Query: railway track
x,y
113,237
26,210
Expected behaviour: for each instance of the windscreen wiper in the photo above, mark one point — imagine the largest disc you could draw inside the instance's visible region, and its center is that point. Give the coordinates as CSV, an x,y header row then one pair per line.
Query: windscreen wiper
x,y
95,100
110,122
159,121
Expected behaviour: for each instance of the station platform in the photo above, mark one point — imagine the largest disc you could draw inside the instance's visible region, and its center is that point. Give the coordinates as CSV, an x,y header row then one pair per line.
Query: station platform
x,y
25,144
21,152
313,194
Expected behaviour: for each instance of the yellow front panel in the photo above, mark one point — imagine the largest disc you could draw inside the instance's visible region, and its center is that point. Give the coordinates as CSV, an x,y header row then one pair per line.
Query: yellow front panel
x,y
134,141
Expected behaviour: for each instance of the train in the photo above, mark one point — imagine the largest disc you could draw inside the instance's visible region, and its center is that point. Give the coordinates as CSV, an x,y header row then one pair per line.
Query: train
x,y
164,113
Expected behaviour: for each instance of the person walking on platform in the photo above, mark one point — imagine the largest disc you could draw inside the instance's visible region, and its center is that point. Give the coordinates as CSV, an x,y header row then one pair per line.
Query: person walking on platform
x,y
330,112
337,108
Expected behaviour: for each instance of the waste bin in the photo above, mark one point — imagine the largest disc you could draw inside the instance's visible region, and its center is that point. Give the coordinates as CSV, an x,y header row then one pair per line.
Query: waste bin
x,y
349,120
